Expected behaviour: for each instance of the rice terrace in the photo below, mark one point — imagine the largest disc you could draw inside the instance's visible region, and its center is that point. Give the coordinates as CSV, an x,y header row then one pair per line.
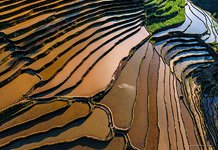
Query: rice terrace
x,y
108,74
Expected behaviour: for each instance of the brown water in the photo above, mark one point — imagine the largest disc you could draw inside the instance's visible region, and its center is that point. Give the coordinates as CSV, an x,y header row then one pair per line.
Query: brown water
x,y
9,73
172,134
139,127
162,114
10,95
76,111
146,96
121,97
175,113
180,119
190,128
35,112
26,23
82,68
88,128
54,53
153,132
101,75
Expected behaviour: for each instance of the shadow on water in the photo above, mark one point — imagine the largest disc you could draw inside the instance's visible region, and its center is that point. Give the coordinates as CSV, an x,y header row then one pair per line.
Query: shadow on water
x,y
209,5
52,133
208,80
91,143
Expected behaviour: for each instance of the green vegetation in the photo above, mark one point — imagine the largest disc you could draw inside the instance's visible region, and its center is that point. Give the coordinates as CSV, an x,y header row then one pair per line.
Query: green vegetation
x,y
164,14
215,23
214,46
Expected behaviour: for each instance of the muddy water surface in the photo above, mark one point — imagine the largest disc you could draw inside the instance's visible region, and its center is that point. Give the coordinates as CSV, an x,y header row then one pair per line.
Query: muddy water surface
x,y
162,114
10,95
35,112
76,111
152,137
96,125
121,98
104,77
139,126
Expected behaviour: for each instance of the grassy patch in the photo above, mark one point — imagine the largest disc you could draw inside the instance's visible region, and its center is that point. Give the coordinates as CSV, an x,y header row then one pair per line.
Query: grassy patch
x,y
164,14
214,46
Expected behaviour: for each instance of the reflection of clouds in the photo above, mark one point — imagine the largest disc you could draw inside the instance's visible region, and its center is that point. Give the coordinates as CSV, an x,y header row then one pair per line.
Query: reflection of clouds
x,y
126,86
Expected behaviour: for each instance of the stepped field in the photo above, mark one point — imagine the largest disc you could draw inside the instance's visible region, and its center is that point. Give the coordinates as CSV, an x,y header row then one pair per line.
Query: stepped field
x,y
108,74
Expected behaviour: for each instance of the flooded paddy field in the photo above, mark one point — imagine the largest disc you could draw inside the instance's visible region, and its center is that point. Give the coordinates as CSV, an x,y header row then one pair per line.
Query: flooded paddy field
x,y
98,74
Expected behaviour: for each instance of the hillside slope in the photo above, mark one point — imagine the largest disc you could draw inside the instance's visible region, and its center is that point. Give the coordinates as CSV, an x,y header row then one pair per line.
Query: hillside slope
x,y
107,74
